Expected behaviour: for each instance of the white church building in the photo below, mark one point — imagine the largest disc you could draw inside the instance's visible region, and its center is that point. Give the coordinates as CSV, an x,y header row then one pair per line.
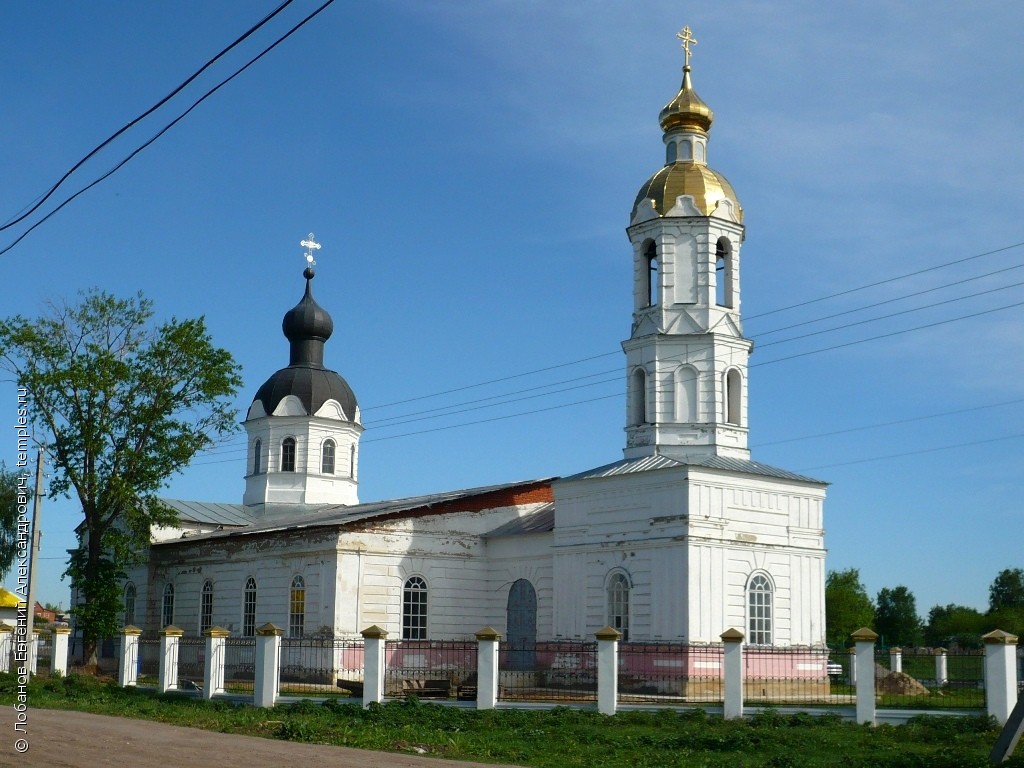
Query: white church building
x,y
682,538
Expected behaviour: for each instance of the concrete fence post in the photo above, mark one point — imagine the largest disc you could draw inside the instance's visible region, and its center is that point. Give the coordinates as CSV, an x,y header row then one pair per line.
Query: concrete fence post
x,y
864,648
59,651
6,646
896,659
374,640
170,636
213,667
732,702
267,680
941,668
607,670
487,640
33,653
128,667
1000,674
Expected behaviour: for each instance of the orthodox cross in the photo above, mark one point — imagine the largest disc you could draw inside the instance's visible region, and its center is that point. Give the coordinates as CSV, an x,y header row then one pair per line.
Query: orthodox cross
x,y
688,39
310,245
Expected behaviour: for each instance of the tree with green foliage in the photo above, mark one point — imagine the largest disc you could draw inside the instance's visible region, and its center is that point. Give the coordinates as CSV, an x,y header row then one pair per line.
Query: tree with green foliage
x,y
1007,590
896,619
954,625
847,607
11,487
120,404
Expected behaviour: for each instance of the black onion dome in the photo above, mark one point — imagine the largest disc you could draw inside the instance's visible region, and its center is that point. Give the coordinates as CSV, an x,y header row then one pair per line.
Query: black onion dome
x,y
307,326
307,320
313,387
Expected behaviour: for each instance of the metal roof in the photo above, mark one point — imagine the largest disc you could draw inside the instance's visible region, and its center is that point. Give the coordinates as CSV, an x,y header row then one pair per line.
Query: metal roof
x,y
337,515
211,513
724,463
539,521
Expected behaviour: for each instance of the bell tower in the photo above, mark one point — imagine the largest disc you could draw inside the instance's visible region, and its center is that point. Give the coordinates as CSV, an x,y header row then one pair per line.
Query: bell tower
x,y
686,357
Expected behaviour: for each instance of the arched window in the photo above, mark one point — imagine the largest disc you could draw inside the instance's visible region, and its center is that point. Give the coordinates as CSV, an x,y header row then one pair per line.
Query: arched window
x,y
686,394
206,607
733,396
288,454
700,152
352,461
167,612
129,603
759,610
297,607
257,462
327,458
637,397
414,609
618,604
686,150
724,266
651,272
249,608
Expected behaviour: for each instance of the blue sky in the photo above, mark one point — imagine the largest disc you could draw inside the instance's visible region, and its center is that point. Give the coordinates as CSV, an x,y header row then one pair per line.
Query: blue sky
x,y
469,169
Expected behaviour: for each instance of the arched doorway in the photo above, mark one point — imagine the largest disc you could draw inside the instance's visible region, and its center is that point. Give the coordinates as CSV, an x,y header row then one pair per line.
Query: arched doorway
x,y
521,625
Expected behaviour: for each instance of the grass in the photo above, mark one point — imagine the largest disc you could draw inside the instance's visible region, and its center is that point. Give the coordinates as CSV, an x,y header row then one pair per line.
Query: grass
x,y
560,737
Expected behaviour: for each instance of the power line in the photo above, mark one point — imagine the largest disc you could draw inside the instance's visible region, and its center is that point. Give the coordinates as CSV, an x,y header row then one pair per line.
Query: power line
x,y
170,125
144,115
919,452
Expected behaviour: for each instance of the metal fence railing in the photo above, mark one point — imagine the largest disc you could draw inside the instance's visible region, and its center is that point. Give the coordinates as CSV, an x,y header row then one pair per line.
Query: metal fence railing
x,y
321,666
670,673
148,660
239,664
191,662
44,654
438,669
558,671
790,676
931,680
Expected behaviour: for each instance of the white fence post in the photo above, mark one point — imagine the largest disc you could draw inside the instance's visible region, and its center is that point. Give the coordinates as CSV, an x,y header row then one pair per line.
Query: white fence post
x,y
941,673
213,667
487,640
1000,674
170,636
6,646
59,651
267,680
128,669
896,659
373,664
864,647
853,666
732,702
607,670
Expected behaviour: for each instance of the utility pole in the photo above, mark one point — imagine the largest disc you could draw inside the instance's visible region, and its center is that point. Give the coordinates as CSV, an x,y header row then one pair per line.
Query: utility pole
x,y
33,554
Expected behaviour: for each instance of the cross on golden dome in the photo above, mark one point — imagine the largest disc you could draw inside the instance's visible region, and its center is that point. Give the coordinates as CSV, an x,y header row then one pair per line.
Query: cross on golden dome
x,y
688,39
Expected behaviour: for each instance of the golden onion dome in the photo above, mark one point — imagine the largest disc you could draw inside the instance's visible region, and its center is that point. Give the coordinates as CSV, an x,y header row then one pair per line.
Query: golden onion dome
x,y
685,177
686,111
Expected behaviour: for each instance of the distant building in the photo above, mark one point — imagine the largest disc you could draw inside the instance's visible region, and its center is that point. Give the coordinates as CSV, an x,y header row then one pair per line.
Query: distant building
x,y
681,539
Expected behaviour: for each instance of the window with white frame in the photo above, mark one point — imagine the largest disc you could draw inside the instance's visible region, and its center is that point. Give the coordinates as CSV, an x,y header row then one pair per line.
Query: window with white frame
x,y
759,610
297,607
288,454
327,457
618,604
249,608
257,458
414,609
206,607
129,603
167,612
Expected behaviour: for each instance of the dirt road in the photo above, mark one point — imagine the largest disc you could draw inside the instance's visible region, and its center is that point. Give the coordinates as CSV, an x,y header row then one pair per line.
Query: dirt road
x,y
59,739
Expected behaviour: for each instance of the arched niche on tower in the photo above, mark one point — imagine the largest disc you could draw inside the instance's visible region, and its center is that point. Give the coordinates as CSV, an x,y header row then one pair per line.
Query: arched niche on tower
x,y
637,397
684,285
733,400
686,393
650,289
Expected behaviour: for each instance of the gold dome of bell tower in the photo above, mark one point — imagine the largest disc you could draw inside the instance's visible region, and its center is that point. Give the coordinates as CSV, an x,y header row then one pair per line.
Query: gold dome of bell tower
x,y
686,120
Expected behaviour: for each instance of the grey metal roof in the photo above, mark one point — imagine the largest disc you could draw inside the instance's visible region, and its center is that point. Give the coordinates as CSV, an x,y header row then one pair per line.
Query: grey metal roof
x,y
211,513
724,463
337,515
538,521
